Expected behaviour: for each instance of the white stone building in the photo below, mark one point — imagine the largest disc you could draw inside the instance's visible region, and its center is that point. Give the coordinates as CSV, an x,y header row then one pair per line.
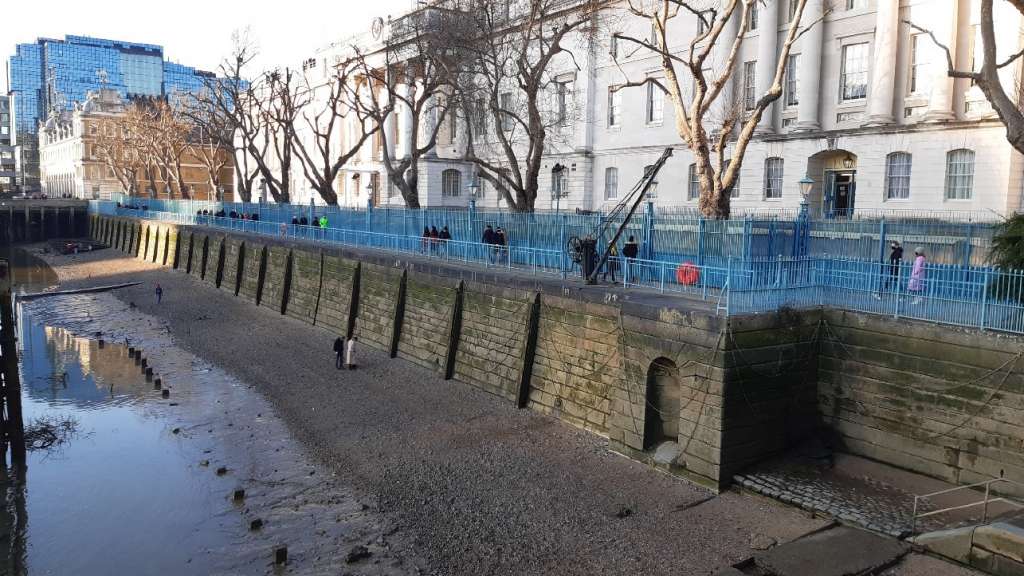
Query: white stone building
x,y
868,113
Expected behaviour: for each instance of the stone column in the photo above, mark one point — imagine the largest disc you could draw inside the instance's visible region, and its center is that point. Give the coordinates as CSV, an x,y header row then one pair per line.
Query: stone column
x,y
405,128
767,56
388,130
809,73
429,124
943,25
883,64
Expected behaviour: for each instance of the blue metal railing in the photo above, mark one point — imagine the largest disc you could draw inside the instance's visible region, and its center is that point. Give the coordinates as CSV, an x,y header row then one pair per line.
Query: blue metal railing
x,y
970,296
664,234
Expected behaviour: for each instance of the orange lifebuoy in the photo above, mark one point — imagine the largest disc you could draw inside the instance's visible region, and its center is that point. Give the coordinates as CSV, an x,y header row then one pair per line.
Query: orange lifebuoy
x,y
687,273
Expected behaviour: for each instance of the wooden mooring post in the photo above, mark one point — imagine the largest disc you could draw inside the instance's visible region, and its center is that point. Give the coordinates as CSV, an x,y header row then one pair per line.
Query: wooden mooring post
x,y
13,426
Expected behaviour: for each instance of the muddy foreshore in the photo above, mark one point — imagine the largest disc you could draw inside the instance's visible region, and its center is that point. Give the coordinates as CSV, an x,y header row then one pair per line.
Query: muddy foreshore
x,y
457,481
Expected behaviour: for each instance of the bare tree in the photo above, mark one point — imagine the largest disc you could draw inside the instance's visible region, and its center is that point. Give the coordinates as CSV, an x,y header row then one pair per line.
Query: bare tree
x,y
231,95
506,90
114,147
718,147
326,108
986,77
279,99
408,77
211,139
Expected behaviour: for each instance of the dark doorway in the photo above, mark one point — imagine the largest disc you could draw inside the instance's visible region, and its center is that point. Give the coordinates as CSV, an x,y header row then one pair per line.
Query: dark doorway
x,y
661,409
840,193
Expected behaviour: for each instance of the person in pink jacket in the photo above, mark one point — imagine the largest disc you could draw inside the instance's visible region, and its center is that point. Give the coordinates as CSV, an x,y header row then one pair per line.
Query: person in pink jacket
x,y
917,275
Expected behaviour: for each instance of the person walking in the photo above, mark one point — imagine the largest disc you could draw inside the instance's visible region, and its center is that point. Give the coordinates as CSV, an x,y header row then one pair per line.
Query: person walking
x,y
350,354
425,242
435,236
612,265
339,352
917,275
159,293
630,251
488,242
444,236
895,260
323,222
501,242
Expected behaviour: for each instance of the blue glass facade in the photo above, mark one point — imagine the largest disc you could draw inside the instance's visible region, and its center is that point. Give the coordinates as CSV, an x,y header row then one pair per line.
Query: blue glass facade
x,y
54,73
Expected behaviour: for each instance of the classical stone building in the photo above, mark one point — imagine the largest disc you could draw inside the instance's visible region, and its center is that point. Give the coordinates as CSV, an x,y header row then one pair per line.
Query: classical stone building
x,y
70,164
867,112
8,150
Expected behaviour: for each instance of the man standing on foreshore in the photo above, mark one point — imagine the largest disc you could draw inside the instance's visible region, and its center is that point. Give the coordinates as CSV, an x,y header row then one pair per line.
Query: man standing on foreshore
x,y
159,293
339,350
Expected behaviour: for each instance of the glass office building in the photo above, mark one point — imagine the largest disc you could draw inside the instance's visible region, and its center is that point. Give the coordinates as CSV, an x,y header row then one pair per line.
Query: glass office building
x,y
53,74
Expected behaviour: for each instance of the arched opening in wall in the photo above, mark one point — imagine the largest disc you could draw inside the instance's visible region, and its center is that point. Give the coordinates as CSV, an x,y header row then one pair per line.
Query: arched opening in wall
x,y
661,408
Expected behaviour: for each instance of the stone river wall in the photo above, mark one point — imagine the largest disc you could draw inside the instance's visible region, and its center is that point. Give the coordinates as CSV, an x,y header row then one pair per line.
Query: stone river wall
x,y
666,380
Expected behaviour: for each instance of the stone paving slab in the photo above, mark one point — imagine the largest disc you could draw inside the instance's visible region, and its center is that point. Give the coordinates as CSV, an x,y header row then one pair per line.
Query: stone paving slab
x,y
841,551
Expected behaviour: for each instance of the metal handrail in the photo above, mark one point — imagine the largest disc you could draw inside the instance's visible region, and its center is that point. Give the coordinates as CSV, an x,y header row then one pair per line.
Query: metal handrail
x,y
987,484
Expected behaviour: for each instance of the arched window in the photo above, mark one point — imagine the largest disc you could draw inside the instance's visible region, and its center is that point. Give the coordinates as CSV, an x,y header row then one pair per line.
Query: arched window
x,y
959,174
451,182
611,183
897,176
693,190
773,177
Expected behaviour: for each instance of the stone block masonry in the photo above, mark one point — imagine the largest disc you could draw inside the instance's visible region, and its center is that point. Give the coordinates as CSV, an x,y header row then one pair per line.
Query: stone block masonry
x,y
171,257
143,243
254,265
577,362
184,260
275,279
214,260
944,402
234,258
378,302
306,282
152,236
160,254
668,383
426,322
337,288
200,252
492,339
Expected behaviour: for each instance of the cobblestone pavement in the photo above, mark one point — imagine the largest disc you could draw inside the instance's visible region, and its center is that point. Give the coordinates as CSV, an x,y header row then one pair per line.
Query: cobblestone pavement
x,y
854,491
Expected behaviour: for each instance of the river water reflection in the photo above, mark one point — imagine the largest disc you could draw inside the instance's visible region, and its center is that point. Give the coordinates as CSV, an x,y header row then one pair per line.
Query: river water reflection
x,y
146,484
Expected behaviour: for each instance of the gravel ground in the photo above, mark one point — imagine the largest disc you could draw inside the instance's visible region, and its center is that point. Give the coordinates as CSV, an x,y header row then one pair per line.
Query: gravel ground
x,y
476,486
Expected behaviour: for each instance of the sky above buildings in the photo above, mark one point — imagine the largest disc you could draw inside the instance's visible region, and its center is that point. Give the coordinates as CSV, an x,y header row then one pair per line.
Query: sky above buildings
x,y
197,32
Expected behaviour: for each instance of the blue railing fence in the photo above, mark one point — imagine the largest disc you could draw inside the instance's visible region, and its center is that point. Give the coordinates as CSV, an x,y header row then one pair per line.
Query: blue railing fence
x,y
664,234
725,262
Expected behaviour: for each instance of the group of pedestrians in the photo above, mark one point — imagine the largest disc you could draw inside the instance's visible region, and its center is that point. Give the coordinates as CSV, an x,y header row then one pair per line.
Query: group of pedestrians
x,y
320,222
433,239
496,242
234,215
345,353
918,271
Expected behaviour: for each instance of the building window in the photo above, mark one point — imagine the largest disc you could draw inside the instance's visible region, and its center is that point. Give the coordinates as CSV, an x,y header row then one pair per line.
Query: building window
x,y
792,81
559,182
856,4
652,192
611,183
773,177
704,20
793,4
654,33
752,17
920,62
853,81
506,111
749,84
614,106
897,176
655,102
959,174
613,46
451,182
480,116
561,106
693,189
453,125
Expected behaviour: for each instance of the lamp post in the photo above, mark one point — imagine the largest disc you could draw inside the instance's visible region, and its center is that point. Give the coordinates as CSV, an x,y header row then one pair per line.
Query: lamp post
x,y
806,184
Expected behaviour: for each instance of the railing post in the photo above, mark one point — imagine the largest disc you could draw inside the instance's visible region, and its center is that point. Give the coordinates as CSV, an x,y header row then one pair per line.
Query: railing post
x,y
369,213
984,298
969,244
561,244
702,228
748,231
647,248
729,287
881,240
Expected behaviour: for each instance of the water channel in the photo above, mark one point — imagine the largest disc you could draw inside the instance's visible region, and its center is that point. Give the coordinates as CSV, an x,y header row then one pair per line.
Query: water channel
x,y
144,479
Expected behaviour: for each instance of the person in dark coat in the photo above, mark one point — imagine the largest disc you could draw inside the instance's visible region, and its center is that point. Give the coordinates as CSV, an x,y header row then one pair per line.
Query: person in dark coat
x,y
339,352
489,240
425,240
630,252
303,221
295,221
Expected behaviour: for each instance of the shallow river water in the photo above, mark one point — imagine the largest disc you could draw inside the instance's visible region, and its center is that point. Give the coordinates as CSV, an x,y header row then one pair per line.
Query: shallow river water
x,y
146,484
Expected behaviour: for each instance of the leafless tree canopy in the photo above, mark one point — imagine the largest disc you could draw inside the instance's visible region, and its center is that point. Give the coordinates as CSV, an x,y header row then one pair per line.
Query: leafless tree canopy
x,y
986,76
